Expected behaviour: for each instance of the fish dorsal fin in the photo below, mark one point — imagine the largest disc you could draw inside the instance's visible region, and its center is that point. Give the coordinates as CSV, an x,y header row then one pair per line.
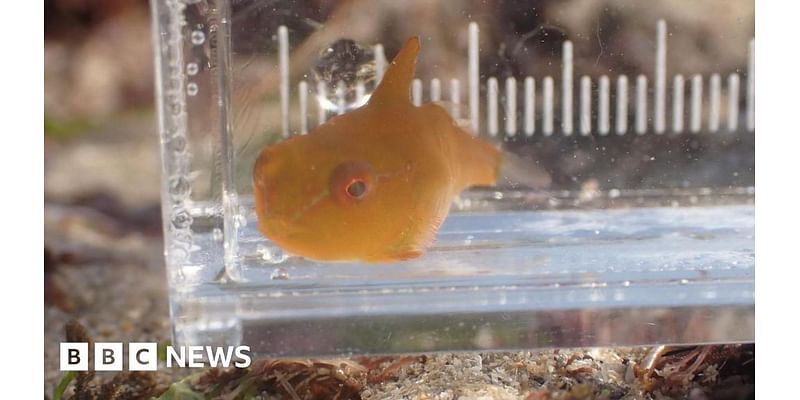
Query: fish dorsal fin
x,y
396,83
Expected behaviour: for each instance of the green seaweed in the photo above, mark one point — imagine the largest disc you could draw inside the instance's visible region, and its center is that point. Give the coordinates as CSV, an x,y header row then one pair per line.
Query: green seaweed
x,y
182,390
59,129
162,350
68,377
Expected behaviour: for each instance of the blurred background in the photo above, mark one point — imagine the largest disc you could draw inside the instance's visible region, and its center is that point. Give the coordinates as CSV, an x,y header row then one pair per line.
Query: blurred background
x,y
99,114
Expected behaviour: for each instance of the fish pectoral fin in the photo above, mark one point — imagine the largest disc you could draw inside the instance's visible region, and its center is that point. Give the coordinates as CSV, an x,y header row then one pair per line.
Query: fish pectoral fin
x,y
410,244
396,255
407,254
520,171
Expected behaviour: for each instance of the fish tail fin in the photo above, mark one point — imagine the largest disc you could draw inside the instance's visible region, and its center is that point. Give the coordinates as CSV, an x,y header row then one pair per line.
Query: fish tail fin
x,y
519,171
479,161
486,164
396,83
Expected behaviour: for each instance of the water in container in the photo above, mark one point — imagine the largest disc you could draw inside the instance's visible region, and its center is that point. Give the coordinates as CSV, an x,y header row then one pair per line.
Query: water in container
x,y
448,175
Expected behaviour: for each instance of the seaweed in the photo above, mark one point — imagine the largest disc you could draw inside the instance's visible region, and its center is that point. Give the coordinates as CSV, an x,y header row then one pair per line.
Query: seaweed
x,y
68,377
292,379
674,370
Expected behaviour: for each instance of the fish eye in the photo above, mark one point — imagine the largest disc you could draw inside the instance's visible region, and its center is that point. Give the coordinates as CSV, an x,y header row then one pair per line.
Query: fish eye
x,y
351,182
356,189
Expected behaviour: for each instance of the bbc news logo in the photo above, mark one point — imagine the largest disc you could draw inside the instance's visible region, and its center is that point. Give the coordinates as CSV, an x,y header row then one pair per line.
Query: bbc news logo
x,y
143,356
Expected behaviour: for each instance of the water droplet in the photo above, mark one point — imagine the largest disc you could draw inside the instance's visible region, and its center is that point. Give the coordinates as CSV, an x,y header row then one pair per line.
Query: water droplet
x,y
191,89
239,221
596,232
183,238
613,193
626,283
198,37
192,69
468,240
181,219
272,255
684,282
216,234
497,195
179,187
342,66
279,273
177,255
178,144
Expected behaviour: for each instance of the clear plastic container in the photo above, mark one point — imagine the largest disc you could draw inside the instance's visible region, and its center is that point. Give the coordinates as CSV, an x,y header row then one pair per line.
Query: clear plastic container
x,y
645,234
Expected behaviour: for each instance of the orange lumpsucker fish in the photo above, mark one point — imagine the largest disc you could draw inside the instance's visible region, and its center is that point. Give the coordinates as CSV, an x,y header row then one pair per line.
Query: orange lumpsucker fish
x,y
373,184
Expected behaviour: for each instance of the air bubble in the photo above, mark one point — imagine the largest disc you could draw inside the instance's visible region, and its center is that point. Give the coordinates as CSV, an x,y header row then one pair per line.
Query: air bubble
x,y
192,69
198,37
272,255
281,274
181,237
179,187
191,89
181,219
178,144
468,240
349,69
239,221
177,255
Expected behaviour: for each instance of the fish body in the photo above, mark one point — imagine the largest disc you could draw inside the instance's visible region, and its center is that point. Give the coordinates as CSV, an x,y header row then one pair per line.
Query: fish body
x,y
373,184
